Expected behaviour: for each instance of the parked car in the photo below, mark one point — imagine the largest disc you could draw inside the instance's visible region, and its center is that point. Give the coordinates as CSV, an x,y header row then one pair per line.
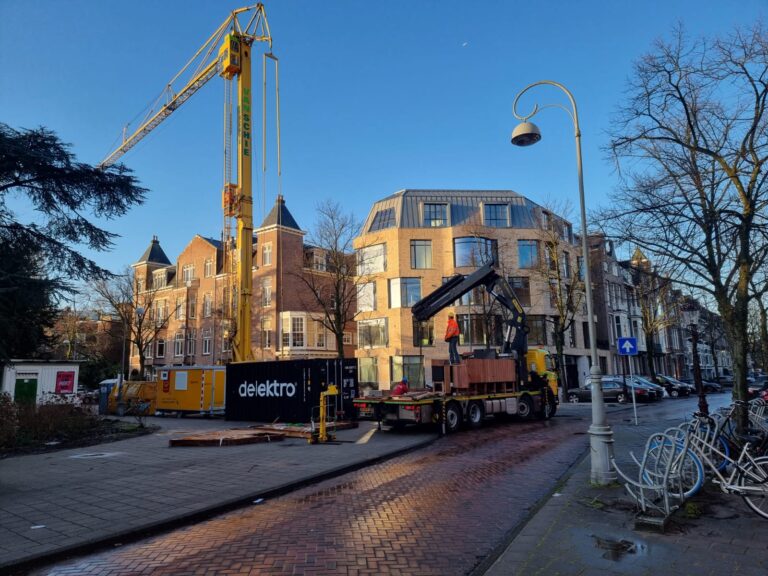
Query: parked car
x,y
711,387
613,391
674,387
659,390
642,392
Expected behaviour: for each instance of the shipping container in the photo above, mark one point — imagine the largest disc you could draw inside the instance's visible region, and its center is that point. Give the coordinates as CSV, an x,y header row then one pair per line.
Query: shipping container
x,y
289,391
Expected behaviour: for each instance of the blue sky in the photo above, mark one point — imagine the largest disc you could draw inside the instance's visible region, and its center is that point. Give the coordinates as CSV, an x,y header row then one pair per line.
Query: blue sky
x,y
375,96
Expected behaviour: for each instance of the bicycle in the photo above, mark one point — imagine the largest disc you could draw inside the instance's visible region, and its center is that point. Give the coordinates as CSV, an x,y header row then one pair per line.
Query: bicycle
x,y
748,476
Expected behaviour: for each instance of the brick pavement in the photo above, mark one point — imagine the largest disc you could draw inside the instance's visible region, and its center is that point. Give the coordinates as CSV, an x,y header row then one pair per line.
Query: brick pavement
x,y
577,531
438,511
70,499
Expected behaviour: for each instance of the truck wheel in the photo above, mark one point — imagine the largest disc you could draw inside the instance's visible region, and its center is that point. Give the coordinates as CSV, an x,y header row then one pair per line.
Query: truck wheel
x,y
525,407
452,417
475,414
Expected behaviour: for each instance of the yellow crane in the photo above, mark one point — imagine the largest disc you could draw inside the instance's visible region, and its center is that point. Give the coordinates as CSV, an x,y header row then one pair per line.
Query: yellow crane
x,y
227,53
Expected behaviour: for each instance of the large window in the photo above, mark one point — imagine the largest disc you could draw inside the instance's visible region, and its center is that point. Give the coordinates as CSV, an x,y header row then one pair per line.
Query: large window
x,y
409,367
319,334
297,332
474,251
191,342
207,342
472,298
479,330
266,254
180,309
367,372
404,292
266,292
521,285
207,304
435,215
421,254
538,334
160,352
372,333
178,344
159,279
366,297
208,268
266,333
527,253
192,306
424,333
188,272
567,266
372,259
384,218
495,215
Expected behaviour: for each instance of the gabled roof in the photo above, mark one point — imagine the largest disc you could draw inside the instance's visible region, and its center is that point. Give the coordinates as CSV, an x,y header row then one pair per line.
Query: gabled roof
x,y
154,254
280,216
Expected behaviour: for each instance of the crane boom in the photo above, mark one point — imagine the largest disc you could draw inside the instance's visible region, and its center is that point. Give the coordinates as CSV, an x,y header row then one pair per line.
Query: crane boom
x,y
187,92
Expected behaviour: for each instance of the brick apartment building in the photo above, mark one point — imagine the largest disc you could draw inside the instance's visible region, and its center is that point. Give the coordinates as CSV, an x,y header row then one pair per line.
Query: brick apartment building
x,y
194,298
414,239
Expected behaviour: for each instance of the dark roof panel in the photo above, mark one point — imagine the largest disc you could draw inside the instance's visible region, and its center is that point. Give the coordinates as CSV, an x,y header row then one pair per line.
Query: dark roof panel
x,y
280,216
154,254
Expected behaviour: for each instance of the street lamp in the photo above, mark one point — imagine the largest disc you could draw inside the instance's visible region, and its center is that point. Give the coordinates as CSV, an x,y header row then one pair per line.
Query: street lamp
x,y
600,433
691,318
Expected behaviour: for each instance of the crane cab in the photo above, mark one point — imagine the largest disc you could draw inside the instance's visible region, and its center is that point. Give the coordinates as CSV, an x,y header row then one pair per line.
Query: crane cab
x,y
229,55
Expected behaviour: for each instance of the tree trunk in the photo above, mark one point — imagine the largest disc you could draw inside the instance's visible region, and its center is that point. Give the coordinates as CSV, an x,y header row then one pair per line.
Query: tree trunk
x,y
764,338
649,354
559,347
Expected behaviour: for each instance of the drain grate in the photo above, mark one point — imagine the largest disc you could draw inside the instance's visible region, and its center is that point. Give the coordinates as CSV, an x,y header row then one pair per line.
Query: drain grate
x,y
92,455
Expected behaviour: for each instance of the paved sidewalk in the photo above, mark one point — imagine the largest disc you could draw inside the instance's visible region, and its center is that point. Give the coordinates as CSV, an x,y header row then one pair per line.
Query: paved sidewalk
x,y
69,500
585,530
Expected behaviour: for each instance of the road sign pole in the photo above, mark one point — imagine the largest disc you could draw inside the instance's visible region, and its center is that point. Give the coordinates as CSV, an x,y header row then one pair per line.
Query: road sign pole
x,y
634,401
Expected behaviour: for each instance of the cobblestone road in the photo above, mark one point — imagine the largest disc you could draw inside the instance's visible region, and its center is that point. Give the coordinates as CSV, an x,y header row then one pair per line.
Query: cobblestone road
x,y
439,511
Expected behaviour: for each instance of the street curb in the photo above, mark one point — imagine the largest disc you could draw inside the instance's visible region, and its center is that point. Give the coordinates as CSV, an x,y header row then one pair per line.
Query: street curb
x,y
94,545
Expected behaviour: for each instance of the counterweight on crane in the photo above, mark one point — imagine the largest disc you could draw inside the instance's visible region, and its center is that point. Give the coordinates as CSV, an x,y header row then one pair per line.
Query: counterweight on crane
x,y
232,61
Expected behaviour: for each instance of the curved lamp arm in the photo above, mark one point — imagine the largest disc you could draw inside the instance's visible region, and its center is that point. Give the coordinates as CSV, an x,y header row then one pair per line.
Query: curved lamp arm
x,y
536,108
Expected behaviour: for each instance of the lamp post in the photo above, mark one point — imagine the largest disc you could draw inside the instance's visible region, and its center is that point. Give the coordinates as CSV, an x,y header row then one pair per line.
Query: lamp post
x,y
600,433
691,318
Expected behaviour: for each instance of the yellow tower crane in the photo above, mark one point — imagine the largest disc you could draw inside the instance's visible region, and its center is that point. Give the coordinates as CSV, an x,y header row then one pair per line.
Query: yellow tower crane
x,y
232,61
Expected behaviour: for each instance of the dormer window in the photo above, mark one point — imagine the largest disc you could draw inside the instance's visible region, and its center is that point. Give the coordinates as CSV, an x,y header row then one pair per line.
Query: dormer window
x,y
435,215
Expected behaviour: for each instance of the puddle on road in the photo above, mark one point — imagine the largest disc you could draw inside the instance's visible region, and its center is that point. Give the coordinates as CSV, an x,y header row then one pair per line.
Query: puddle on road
x,y
616,549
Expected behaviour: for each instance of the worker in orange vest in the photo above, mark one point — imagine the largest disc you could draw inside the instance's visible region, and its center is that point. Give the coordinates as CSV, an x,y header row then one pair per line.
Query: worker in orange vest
x,y
452,337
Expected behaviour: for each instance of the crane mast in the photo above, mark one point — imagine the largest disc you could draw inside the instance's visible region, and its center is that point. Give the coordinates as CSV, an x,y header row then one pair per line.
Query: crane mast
x,y
232,61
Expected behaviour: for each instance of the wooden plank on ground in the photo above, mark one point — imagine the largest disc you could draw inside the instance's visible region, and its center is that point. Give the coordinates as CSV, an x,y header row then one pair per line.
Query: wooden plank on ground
x,y
234,437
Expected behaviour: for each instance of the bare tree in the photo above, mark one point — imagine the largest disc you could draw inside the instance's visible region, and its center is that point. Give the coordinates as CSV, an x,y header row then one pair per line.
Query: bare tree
x,y
560,272
655,298
330,273
140,319
692,147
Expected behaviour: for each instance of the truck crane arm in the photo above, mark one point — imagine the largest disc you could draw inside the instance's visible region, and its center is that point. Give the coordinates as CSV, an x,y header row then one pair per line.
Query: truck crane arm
x,y
497,286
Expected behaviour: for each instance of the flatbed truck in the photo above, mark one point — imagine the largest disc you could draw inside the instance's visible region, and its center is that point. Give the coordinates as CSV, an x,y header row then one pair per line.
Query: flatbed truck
x,y
487,383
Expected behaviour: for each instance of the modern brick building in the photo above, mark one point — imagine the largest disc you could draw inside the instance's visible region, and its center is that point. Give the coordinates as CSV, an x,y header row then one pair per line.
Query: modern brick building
x,y
414,239
193,298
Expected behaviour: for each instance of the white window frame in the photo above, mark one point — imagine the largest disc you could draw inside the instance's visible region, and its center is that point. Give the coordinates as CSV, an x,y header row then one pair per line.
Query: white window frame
x,y
266,254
